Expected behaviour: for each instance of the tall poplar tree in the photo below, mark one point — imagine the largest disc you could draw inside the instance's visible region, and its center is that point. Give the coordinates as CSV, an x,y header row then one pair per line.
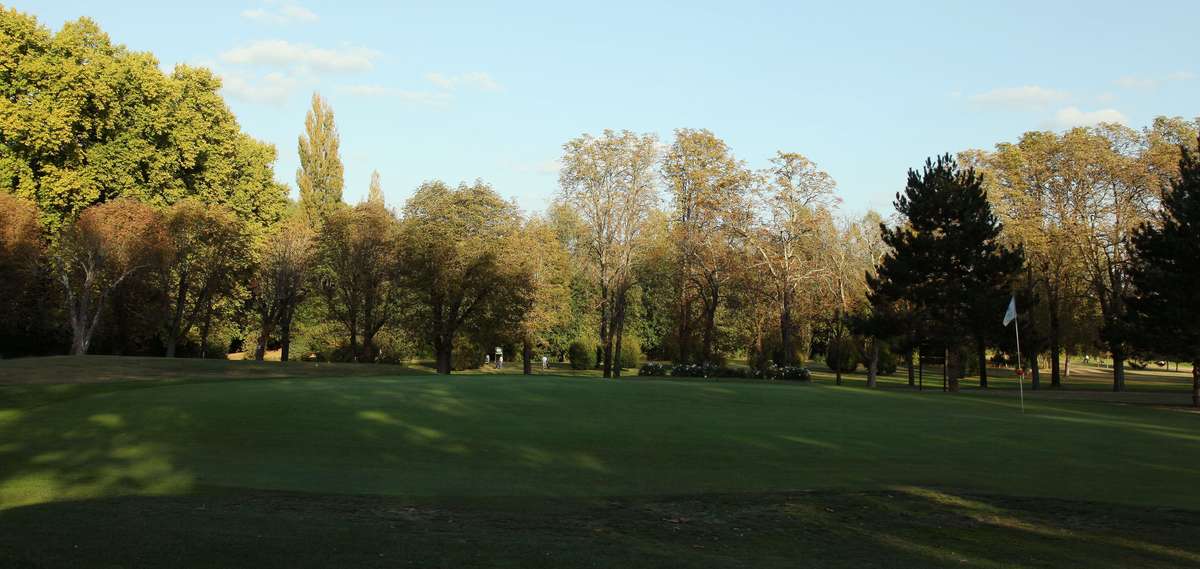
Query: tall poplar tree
x,y
320,174
375,192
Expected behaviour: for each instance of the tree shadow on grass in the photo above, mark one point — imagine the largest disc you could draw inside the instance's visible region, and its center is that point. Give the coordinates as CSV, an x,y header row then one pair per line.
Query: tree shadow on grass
x,y
907,527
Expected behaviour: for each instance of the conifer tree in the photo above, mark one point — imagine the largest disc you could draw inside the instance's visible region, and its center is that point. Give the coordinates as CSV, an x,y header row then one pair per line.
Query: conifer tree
x,y
320,174
946,260
1162,310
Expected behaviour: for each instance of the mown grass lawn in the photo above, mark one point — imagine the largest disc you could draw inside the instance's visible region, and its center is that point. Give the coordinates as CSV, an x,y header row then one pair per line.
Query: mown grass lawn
x,y
496,470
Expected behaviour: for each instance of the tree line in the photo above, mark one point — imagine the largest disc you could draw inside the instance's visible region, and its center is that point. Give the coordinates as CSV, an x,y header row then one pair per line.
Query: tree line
x,y
137,218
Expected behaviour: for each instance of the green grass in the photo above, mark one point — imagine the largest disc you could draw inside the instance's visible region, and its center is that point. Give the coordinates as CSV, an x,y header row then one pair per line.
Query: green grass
x,y
495,470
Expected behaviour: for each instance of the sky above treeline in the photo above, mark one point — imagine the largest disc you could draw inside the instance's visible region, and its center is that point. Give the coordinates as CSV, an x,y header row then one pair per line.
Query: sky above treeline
x,y
443,90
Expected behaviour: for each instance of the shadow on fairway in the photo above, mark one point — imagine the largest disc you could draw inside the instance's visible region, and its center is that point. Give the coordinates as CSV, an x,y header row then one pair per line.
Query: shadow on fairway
x,y
904,527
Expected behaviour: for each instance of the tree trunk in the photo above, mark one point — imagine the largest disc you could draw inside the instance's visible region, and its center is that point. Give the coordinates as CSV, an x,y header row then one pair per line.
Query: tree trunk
x,y
1118,360
981,353
1067,366
952,369
684,331
1196,382
912,380
785,328
527,356
285,339
204,329
443,348
1035,372
1055,344
605,333
710,323
873,363
619,331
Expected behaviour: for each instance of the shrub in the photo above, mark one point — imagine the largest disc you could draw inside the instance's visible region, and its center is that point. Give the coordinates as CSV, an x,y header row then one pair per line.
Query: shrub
x,y
653,369
707,370
888,360
631,353
582,355
466,355
842,354
786,373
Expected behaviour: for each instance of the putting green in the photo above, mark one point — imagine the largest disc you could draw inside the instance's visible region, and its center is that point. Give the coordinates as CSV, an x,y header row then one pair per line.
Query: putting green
x,y
547,436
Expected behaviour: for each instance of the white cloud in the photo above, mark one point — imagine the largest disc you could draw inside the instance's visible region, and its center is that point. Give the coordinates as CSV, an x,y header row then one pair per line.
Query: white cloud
x,y
284,53
280,13
475,80
1149,83
1133,82
415,97
1071,117
274,87
1024,97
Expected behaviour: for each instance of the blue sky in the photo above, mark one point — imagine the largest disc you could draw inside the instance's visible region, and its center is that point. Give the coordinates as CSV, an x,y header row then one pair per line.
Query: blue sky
x,y
492,90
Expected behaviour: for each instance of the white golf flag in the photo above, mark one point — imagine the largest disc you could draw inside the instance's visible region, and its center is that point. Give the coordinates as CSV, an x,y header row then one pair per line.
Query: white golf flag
x,y
1012,311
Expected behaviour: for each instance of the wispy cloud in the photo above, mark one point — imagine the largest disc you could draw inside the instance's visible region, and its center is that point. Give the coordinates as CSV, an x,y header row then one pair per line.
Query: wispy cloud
x,y
285,53
274,87
474,80
280,13
1071,117
1027,97
1147,83
431,98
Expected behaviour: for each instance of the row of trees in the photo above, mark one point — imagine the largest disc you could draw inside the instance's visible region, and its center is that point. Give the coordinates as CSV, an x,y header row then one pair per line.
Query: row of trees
x,y
137,218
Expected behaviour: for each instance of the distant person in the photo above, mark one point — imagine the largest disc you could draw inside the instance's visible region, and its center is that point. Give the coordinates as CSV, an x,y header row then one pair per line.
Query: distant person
x,y
545,362
500,362
488,357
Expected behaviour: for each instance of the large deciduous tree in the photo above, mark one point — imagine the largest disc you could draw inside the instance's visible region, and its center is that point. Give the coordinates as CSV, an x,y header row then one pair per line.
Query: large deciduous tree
x,y
452,245
320,174
791,205
21,259
946,257
610,180
1165,268
541,261
86,121
105,246
210,255
709,190
280,281
356,272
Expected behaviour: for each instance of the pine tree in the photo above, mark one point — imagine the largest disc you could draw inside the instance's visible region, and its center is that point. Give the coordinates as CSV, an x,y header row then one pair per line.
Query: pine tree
x,y
375,193
320,174
947,262
1162,310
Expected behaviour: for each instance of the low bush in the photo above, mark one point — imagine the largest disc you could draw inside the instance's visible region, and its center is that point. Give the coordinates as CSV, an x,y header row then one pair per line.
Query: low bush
x,y
888,360
786,373
582,355
653,369
631,353
842,355
708,370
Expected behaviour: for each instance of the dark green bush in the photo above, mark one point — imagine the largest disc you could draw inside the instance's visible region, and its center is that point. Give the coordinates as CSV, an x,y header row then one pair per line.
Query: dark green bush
x,y
467,355
842,354
888,360
631,353
582,355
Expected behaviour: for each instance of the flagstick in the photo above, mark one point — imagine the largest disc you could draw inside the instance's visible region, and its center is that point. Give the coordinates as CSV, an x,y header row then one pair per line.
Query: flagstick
x,y
1020,370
